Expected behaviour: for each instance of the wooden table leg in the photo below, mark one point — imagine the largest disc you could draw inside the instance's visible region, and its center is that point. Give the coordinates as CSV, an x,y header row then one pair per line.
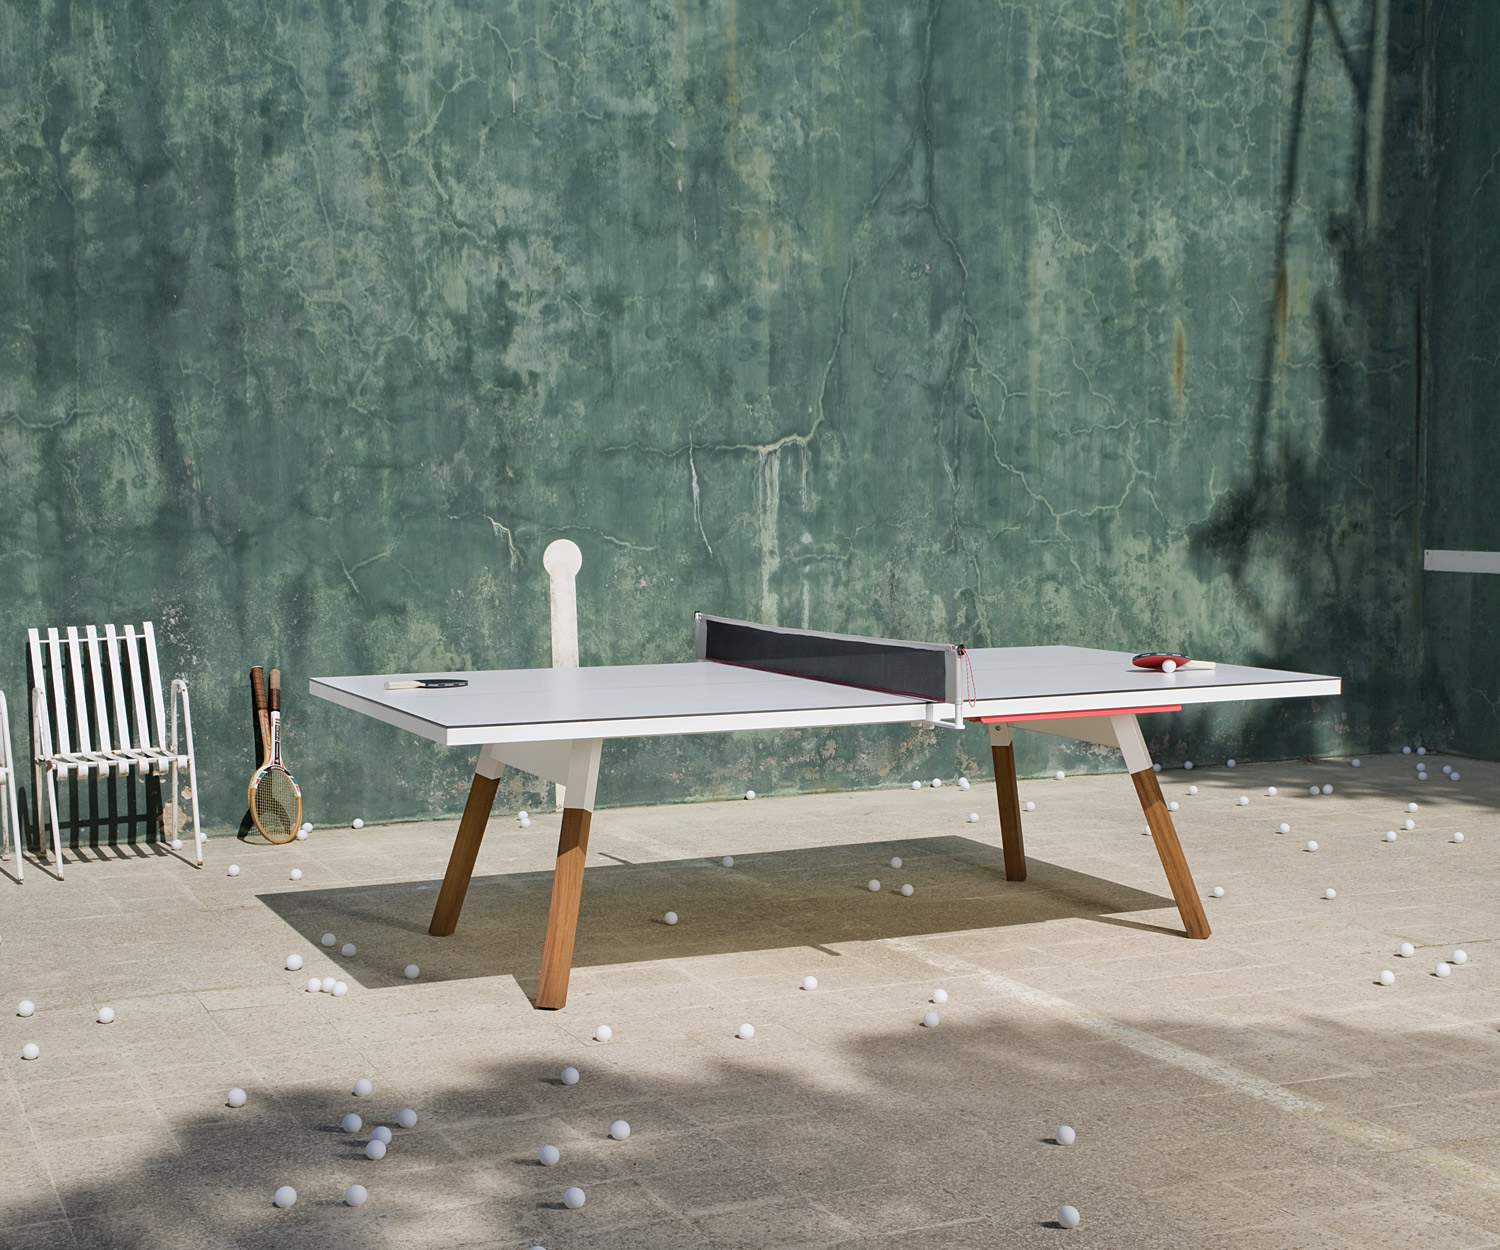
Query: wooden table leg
x,y
1003,751
562,916
1189,905
465,852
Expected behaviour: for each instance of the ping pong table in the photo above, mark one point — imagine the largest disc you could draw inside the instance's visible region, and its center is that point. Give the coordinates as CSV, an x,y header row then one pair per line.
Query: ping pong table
x,y
552,722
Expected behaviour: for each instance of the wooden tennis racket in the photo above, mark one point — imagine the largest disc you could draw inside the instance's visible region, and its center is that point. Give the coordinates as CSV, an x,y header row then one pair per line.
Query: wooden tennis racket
x,y
262,715
275,797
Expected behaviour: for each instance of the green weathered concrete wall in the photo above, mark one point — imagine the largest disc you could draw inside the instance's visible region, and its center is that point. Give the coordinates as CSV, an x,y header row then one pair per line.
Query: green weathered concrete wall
x,y
1080,321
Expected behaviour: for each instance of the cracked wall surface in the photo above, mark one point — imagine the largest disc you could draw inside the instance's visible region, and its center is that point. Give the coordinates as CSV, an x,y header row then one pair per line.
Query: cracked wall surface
x,y
1079,321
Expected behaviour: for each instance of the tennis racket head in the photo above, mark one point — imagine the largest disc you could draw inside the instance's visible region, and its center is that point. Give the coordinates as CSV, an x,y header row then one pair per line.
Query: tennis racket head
x,y
275,803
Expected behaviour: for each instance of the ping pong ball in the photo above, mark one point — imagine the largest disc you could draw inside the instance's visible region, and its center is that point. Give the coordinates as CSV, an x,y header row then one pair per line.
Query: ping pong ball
x,y
1327,789
340,988
1405,750
30,1051
1442,970
745,1032
1244,800
351,1123
1312,846
963,783
1453,776
1390,835
907,891
285,1196
1065,1135
873,886
1447,768
1408,825
573,1198
1387,977
236,1097
937,783
973,818
525,822
1068,1217
1271,791
407,1118
727,861
362,1088
307,827
1460,957
670,917
348,950
381,1134
1188,765
895,861
1411,807
809,983
569,1076
1030,806
177,844
375,1149
1228,763
916,785
1192,789
25,1007
234,870
329,939
106,1015
1218,891
1172,807
412,972
930,1020
1059,774
548,1156
749,794
1313,790
1283,827
1458,837
293,962
356,1195
603,1033
327,984
357,823
296,874
301,835
523,814
619,1130
1330,892
1421,750
1407,950
1169,666
314,985
1353,763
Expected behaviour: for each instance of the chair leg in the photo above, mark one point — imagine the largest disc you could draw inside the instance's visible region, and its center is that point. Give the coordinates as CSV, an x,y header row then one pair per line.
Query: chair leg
x,y
56,834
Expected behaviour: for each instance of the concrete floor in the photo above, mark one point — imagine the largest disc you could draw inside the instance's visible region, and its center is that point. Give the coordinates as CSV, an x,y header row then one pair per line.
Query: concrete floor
x,y
1256,1090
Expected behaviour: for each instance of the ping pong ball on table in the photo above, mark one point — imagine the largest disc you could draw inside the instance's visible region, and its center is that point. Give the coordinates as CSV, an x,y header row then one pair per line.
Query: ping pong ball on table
x,y
296,874
412,972
329,939
873,886
570,1076
1407,950
357,823
548,1156
106,1015
1065,1135
407,1118
603,1033
351,1123
363,1088
1387,977
1169,666
670,918
745,1032
356,1195
236,1097
809,983
234,870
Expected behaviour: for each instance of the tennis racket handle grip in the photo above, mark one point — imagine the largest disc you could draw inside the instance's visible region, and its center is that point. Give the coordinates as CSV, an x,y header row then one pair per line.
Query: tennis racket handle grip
x,y
258,685
275,690
403,685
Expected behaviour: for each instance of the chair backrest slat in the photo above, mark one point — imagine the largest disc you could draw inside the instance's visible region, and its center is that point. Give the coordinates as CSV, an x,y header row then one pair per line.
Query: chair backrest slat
x,y
133,662
101,706
158,706
39,682
117,688
58,693
80,694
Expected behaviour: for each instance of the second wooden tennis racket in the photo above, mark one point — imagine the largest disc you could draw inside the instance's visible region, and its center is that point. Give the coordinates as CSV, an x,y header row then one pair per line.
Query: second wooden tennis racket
x,y
275,797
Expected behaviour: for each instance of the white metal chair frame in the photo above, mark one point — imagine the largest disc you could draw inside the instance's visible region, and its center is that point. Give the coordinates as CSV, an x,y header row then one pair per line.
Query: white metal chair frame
x,y
135,736
10,813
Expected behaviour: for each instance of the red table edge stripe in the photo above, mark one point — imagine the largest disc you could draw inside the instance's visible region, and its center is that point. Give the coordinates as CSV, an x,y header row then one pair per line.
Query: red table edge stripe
x,y
1103,711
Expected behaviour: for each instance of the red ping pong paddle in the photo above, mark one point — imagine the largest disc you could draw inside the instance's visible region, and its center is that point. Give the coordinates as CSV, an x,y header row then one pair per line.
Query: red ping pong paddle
x,y
1160,659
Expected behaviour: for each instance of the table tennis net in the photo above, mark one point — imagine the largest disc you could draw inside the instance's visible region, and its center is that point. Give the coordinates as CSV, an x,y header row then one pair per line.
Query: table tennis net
x,y
918,670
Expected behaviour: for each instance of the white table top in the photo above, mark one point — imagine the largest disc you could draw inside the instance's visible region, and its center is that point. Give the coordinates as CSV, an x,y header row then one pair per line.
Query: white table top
x,y
645,700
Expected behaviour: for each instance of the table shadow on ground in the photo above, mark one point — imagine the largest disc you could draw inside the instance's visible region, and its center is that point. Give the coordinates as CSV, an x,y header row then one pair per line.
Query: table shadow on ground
x,y
816,896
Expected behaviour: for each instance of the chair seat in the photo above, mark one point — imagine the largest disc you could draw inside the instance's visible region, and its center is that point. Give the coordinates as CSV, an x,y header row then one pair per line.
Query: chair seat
x,y
122,761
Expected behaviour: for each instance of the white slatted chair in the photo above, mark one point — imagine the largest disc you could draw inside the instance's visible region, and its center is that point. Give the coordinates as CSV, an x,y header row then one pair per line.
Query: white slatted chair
x,y
10,814
76,728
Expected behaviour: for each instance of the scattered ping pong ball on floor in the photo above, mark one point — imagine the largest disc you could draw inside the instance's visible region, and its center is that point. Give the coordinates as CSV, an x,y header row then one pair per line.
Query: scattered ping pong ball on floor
x,y
745,1032
1283,827
548,1156
329,939
916,785
1458,837
381,1134
940,997
1327,789
1411,807
1065,1135
569,1076
348,950
1172,807
285,1196
25,1007
525,822
603,1033
1460,957
749,794
296,874
340,988
307,827
1330,892
1405,750
1059,774
1244,800
937,783
30,1051
1421,750
1068,1217
1218,891
1407,950
895,861
375,1149
670,918
1312,846
234,870
1447,768
1442,970
973,818
809,983
523,814
314,985
412,972
177,844
355,1195
1353,763
573,1198
362,1088
1228,763
357,823
727,861
1188,765
236,1097
1271,791
873,886
293,962
1408,825
619,1130
907,891
301,835
407,1118
1030,806
1453,776
963,783
327,984
106,1015
1387,977
930,1020
1192,789
351,1123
